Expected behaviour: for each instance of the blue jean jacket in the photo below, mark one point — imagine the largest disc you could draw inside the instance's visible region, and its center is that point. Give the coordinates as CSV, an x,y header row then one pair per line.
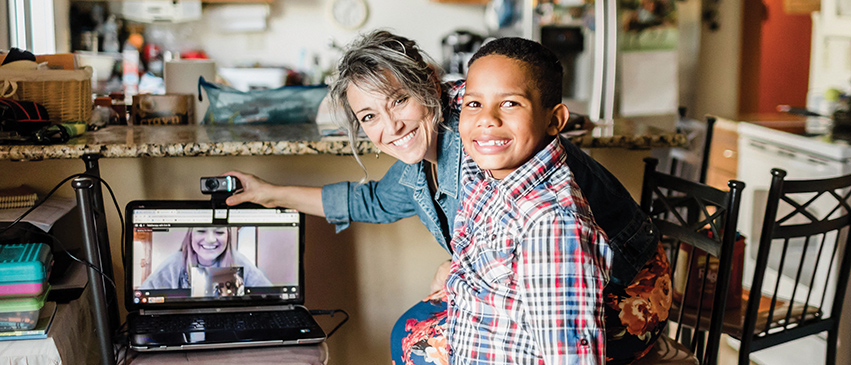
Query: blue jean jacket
x,y
403,192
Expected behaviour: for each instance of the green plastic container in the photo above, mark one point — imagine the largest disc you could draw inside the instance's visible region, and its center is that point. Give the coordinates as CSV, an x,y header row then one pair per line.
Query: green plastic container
x,y
21,314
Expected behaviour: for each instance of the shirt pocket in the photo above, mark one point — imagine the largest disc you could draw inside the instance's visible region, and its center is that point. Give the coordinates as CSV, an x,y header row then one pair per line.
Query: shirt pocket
x,y
494,261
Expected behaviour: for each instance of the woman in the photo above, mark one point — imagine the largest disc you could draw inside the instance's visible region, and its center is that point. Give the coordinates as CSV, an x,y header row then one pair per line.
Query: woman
x,y
203,247
386,86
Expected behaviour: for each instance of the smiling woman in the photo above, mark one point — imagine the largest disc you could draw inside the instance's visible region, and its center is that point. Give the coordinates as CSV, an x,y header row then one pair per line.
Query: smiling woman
x,y
203,247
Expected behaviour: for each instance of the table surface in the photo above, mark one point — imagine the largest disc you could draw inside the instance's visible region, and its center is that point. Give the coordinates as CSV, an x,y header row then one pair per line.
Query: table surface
x,y
283,355
292,139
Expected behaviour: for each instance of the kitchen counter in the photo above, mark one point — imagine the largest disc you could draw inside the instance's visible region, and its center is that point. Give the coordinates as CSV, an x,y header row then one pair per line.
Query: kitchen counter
x,y
292,139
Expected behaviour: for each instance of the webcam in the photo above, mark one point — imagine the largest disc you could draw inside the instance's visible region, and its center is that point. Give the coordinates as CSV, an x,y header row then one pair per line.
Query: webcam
x,y
220,185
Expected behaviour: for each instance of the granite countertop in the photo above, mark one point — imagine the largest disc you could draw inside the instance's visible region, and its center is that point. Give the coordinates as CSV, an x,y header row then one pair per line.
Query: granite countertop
x,y
292,139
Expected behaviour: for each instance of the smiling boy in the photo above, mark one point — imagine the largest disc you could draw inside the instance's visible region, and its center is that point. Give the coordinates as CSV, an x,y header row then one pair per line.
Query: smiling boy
x,y
529,263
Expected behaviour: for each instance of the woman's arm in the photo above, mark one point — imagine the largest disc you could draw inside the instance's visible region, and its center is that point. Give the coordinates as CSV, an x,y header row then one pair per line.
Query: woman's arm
x,y
302,198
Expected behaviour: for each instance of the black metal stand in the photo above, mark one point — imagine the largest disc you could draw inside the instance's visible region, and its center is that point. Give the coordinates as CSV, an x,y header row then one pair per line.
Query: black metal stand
x,y
84,189
105,262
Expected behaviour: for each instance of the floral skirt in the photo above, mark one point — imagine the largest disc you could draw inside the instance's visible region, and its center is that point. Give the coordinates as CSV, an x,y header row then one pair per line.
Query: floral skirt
x,y
635,316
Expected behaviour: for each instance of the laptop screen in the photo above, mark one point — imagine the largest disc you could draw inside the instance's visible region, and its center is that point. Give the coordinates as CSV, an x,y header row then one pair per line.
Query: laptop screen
x,y
184,253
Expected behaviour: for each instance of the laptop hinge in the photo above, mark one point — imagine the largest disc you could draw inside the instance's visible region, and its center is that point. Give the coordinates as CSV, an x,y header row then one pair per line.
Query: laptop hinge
x,y
264,308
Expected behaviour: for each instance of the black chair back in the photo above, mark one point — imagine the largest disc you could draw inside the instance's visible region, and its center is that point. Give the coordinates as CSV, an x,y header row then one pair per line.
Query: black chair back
x,y
702,217
802,265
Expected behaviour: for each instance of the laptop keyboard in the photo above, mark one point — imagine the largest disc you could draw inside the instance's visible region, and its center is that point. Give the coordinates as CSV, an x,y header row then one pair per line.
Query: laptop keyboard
x,y
220,321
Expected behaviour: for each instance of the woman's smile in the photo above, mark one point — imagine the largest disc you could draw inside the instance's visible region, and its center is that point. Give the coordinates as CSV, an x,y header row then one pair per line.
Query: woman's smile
x,y
401,142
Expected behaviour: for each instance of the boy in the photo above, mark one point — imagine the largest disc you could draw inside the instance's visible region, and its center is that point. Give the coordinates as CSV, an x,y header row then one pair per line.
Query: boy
x,y
529,263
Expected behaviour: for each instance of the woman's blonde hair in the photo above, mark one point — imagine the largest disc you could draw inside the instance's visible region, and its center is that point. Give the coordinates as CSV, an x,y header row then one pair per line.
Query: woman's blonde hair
x,y
190,258
368,61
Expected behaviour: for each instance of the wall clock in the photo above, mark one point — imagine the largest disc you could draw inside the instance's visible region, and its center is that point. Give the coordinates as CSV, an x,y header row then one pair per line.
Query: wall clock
x,y
349,14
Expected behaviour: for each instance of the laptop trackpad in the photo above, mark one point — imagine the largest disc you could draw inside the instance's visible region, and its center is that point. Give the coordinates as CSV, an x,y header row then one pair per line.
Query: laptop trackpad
x,y
211,336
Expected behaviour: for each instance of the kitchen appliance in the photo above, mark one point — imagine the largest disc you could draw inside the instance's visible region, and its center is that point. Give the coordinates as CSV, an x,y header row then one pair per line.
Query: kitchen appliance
x,y
620,58
761,149
458,47
168,11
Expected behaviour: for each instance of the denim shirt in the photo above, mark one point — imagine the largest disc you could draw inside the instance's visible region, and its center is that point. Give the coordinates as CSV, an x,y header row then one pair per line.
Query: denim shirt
x,y
403,192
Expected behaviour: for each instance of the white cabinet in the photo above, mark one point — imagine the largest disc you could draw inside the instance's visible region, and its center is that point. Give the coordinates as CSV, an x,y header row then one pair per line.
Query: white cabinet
x,y
837,17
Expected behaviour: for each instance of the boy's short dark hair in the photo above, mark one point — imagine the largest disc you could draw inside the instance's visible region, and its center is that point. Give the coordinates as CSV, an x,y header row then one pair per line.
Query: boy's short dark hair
x,y
544,64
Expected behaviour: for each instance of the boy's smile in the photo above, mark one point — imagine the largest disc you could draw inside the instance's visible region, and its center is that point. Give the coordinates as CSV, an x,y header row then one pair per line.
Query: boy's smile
x,y
503,121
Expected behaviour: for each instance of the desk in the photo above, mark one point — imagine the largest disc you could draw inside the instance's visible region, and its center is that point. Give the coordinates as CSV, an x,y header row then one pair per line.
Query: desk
x,y
282,355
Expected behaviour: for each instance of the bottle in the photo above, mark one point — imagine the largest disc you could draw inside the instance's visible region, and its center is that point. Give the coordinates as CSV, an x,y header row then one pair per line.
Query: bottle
x,y
130,66
102,114
110,35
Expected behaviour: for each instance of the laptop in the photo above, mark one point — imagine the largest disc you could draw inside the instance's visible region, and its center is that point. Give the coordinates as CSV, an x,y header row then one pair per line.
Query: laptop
x,y
201,277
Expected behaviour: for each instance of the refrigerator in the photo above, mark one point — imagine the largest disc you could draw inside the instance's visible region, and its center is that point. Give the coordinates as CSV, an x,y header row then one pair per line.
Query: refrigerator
x,y
620,57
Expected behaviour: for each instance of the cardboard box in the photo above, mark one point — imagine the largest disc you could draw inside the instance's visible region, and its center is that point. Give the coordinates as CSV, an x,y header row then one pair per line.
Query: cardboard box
x,y
169,109
801,6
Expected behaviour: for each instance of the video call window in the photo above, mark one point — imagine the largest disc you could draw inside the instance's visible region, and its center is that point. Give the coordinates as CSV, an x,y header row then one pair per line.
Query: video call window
x,y
215,261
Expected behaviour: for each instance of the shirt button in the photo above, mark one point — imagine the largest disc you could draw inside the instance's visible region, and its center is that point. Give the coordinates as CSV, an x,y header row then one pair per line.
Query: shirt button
x,y
583,342
493,237
450,351
452,303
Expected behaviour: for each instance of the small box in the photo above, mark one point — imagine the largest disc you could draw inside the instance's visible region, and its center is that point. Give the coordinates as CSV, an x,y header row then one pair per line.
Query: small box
x,y
24,269
169,109
21,314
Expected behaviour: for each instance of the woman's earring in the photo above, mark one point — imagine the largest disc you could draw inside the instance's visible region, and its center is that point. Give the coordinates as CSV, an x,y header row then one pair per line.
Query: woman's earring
x,y
376,155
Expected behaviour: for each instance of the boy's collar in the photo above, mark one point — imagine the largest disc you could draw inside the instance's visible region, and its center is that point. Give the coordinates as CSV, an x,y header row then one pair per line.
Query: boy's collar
x,y
532,171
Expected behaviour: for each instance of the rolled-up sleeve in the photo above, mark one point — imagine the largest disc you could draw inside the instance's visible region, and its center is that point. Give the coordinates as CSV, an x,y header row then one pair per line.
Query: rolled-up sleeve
x,y
335,203
382,201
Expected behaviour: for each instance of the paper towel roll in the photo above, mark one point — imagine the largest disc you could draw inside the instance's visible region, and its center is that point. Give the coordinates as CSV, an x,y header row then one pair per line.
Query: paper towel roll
x,y
181,77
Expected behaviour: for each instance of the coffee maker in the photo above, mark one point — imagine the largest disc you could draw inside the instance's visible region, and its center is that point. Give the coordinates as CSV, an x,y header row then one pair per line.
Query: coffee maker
x,y
458,48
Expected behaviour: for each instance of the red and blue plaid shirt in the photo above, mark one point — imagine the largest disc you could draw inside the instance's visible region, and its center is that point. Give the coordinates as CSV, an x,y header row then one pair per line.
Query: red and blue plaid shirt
x,y
528,270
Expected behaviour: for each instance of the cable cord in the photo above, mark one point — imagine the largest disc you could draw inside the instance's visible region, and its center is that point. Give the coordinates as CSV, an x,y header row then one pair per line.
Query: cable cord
x,y
55,239
318,312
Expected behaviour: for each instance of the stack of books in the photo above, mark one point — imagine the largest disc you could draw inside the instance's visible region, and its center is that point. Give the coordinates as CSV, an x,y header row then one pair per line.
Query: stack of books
x,y
20,197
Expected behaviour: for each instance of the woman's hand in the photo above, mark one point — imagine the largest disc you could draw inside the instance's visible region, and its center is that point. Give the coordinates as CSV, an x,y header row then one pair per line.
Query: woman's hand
x,y
305,199
254,190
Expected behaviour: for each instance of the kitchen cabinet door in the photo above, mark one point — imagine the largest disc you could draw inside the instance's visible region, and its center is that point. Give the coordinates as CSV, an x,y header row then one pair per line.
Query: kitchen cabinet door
x,y
837,17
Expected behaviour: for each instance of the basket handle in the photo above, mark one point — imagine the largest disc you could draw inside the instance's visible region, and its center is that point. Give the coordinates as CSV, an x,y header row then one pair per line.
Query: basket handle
x,y
8,88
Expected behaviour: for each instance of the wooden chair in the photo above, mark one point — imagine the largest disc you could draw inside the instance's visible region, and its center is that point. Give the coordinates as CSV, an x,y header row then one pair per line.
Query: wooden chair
x,y
802,295
704,218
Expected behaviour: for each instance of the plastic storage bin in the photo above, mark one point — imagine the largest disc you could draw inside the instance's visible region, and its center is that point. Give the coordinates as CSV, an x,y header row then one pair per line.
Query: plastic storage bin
x,y
24,269
21,314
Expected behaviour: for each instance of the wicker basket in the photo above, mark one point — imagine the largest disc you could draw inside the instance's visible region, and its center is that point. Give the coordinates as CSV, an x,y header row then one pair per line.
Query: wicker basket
x,y
66,94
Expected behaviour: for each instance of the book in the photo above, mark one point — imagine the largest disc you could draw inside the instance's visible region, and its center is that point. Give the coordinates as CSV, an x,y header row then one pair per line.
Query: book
x,y
20,197
45,319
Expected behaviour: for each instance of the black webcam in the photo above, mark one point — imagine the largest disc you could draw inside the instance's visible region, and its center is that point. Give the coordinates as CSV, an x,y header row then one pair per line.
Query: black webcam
x,y
224,185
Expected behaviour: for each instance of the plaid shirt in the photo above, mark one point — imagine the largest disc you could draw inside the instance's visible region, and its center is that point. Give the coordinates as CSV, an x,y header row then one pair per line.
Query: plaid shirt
x,y
528,270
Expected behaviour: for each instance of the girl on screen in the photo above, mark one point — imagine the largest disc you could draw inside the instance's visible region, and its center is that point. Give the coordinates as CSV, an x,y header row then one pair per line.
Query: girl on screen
x,y
203,247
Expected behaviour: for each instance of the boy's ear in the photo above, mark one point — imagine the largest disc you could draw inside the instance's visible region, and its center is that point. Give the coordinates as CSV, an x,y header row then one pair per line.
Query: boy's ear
x,y
558,119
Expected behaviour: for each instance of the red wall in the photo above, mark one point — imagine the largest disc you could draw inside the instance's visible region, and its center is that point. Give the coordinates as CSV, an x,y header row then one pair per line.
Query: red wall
x,y
784,58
